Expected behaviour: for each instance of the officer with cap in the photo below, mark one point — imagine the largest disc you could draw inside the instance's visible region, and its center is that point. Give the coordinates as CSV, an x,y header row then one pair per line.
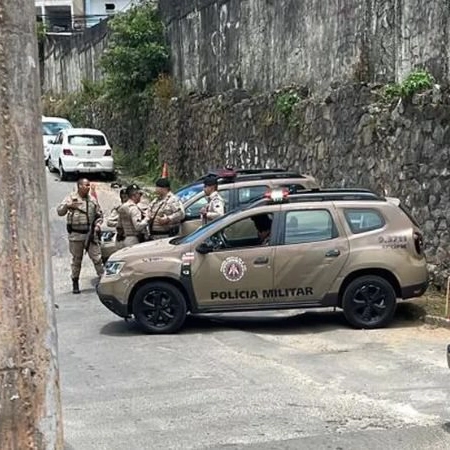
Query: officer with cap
x,y
165,212
216,204
131,219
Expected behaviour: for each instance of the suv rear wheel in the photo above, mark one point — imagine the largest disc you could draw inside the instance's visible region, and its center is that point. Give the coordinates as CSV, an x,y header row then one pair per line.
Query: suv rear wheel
x,y
369,302
159,307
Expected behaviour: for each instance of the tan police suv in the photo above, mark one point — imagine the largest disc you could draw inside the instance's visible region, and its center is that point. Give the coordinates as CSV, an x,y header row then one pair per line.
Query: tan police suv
x,y
238,187
345,248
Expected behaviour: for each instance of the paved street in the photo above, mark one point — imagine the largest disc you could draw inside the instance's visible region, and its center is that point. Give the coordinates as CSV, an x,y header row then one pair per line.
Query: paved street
x,y
252,381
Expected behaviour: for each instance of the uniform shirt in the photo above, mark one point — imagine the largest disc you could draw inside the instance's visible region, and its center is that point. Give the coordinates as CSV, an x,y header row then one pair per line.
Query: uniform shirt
x,y
169,206
131,219
80,219
215,206
113,218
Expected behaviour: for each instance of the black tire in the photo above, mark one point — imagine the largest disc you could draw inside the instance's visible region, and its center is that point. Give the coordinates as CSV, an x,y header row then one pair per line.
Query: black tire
x,y
369,302
62,174
50,167
159,308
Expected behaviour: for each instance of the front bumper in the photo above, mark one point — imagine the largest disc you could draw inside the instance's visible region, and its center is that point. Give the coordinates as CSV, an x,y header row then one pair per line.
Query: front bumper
x,y
113,304
416,290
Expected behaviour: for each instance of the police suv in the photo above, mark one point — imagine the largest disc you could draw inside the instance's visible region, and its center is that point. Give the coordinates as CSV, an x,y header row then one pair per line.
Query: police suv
x,y
345,248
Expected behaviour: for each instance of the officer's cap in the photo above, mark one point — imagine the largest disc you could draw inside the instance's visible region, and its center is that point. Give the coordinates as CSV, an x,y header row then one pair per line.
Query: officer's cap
x,y
210,181
133,189
163,183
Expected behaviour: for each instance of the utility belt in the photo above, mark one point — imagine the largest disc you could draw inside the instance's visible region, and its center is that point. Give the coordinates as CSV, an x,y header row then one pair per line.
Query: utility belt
x,y
81,229
172,232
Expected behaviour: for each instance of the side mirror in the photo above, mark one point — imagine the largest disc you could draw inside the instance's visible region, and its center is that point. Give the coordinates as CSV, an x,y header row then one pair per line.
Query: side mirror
x,y
204,248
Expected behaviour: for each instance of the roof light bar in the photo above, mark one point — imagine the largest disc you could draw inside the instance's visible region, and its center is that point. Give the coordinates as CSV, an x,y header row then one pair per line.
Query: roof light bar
x,y
277,195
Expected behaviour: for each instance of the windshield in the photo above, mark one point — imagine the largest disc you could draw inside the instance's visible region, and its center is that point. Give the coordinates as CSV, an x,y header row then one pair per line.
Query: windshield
x,y
185,193
202,230
53,128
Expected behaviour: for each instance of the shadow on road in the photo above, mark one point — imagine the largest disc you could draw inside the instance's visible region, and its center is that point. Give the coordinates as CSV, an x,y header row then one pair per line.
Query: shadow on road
x,y
262,323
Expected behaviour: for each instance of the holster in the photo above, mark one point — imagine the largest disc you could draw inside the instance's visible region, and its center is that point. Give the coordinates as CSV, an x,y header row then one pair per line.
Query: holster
x,y
120,236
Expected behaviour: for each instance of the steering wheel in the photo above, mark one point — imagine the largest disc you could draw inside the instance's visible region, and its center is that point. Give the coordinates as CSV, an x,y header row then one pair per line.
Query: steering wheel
x,y
218,241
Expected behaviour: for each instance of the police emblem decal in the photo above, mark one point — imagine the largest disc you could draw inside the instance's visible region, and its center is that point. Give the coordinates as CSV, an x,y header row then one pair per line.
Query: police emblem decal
x,y
233,268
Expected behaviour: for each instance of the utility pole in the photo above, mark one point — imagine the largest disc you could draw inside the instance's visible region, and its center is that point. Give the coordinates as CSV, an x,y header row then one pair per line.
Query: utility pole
x,y
30,409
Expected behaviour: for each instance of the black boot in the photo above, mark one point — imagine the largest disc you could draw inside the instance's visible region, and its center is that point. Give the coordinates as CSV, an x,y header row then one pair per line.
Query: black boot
x,y
75,286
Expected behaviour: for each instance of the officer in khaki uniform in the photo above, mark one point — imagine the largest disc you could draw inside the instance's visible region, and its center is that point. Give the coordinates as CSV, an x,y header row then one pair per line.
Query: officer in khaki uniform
x,y
84,218
113,219
165,212
131,218
216,204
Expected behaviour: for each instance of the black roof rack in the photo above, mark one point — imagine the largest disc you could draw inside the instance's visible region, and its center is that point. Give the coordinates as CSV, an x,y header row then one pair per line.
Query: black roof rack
x,y
227,175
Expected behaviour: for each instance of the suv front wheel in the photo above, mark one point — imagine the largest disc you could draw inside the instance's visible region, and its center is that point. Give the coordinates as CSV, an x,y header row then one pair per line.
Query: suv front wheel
x,y
369,302
159,307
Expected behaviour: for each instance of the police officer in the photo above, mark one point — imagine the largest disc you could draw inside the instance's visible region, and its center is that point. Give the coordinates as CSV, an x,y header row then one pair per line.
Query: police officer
x,y
84,218
216,204
165,212
113,219
263,225
131,219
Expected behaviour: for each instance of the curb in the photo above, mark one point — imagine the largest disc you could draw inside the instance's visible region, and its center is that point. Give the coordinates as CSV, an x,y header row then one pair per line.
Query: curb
x,y
438,321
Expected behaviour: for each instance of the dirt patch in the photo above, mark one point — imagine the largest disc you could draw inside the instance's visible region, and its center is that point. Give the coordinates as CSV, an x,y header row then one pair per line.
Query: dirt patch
x,y
432,303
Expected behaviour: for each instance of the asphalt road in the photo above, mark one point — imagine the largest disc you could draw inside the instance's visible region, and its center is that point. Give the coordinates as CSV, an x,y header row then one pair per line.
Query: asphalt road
x,y
253,381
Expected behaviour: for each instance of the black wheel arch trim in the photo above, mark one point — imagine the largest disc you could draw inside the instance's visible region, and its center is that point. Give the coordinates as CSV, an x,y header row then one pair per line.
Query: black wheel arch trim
x,y
185,288
375,271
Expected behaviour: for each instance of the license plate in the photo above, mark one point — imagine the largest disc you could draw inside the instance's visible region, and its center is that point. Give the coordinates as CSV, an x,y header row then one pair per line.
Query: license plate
x,y
89,164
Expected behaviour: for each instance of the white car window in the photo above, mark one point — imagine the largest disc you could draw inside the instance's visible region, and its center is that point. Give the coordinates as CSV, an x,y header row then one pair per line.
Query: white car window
x,y
53,128
93,140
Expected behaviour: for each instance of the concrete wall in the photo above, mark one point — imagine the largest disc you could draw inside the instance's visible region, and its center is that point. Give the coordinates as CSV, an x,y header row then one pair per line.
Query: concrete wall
x,y
69,59
264,44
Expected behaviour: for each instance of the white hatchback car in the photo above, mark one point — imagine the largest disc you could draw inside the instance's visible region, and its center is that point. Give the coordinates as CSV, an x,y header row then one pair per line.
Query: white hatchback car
x,y
51,126
81,150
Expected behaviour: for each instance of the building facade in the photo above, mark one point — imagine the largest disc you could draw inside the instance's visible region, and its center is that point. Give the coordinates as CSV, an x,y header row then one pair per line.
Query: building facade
x,y
73,15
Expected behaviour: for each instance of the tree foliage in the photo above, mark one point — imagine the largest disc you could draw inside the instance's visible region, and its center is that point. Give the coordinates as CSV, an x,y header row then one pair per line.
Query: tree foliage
x,y
136,53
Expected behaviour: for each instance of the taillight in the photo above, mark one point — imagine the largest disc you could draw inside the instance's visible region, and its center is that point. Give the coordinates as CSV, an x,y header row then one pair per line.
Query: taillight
x,y
108,152
67,152
418,242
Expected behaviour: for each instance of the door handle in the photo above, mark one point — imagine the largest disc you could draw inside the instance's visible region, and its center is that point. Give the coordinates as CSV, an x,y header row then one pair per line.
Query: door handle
x,y
332,253
261,260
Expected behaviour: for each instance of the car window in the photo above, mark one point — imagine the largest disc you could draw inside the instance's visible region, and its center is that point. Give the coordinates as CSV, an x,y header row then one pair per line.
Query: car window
x,y
87,139
184,194
249,232
308,226
58,139
53,128
250,194
361,220
193,211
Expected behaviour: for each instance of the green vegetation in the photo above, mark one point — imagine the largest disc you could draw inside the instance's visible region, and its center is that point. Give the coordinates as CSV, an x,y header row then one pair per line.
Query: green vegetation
x,y
40,30
414,83
136,53
285,103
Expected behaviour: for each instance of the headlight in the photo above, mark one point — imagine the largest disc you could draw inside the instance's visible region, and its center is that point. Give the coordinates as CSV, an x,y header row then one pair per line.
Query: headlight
x,y
107,236
113,267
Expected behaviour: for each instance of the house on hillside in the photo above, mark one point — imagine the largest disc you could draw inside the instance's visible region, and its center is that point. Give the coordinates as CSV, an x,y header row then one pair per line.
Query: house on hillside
x,y
75,15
